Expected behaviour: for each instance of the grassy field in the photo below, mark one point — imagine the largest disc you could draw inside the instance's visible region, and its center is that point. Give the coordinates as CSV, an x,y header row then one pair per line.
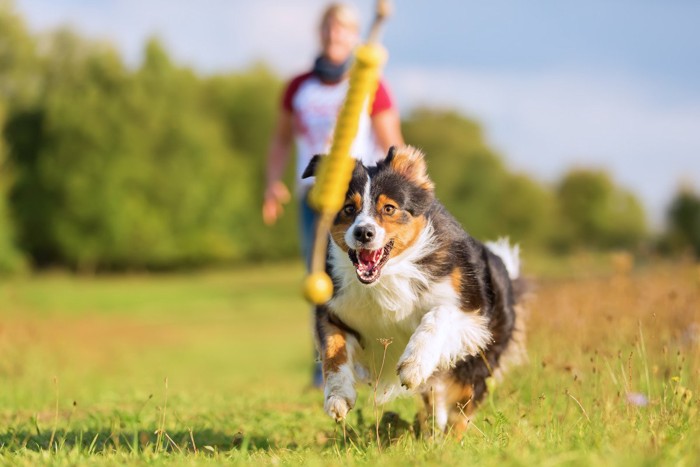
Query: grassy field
x,y
214,367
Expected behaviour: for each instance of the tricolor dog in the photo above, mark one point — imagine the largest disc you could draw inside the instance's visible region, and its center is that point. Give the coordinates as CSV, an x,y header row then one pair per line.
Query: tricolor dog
x,y
419,305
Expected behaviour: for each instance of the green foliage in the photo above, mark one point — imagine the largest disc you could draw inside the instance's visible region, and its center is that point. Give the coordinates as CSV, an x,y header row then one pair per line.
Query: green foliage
x,y
10,258
157,167
587,210
18,79
473,183
468,176
247,105
595,213
132,170
684,222
120,168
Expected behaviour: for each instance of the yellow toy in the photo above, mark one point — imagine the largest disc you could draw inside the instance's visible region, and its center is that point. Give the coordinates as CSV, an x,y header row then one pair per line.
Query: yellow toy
x,y
335,170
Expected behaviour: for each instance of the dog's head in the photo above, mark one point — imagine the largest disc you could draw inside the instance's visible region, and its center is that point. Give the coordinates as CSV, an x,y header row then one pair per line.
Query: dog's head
x,y
384,210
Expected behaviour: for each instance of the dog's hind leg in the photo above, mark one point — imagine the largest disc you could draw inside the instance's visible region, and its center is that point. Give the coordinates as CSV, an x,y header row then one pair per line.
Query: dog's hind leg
x,y
434,398
461,406
448,404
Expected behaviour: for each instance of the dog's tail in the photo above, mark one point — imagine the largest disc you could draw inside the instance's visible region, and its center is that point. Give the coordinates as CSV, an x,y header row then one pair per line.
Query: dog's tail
x,y
509,254
515,353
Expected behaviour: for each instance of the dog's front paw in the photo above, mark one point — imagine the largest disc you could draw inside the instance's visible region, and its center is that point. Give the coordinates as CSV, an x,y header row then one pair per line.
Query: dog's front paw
x,y
337,407
419,361
412,373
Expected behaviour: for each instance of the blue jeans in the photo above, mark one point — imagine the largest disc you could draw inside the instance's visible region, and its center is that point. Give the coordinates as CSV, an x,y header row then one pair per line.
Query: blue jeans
x,y
307,224
307,231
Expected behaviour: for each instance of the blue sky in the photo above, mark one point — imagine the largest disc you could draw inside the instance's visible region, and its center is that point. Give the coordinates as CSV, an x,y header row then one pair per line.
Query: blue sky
x,y
612,84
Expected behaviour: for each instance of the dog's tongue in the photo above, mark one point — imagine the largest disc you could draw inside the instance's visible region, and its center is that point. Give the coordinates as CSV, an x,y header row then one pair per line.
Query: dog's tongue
x,y
369,258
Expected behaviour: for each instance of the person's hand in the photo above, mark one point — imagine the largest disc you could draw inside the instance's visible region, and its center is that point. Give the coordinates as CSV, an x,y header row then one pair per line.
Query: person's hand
x,y
276,195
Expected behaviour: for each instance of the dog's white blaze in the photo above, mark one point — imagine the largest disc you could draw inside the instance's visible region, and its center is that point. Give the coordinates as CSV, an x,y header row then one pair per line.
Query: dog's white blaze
x,y
365,218
422,318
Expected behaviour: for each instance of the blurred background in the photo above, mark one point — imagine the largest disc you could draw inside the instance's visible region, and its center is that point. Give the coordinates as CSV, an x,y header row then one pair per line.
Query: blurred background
x,y
135,133
136,273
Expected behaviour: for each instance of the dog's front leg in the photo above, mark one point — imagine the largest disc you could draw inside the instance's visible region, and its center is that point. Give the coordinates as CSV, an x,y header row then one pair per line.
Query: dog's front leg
x,y
445,334
339,379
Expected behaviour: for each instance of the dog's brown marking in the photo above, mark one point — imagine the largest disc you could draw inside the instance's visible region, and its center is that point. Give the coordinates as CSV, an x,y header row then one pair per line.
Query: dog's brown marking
x,y
356,200
409,162
343,221
456,278
458,401
338,234
335,351
461,406
399,225
382,201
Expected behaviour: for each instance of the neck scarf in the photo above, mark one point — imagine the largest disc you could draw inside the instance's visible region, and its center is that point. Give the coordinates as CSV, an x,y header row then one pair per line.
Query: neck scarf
x,y
330,72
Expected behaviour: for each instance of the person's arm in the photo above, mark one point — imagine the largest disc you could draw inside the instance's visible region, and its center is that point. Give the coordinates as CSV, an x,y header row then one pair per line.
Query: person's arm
x,y
386,122
276,193
387,128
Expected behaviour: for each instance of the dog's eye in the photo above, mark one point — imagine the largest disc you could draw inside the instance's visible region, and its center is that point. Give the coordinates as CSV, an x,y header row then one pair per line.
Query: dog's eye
x,y
349,209
389,209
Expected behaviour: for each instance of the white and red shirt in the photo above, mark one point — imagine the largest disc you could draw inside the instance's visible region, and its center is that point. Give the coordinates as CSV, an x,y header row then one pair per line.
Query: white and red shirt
x,y
314,106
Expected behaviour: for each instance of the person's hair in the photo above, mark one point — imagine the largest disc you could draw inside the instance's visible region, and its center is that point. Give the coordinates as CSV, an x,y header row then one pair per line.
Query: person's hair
x,y
341,12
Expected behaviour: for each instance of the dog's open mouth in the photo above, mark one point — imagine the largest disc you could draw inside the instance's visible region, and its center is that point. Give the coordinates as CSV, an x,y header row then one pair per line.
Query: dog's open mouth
x,y
368,263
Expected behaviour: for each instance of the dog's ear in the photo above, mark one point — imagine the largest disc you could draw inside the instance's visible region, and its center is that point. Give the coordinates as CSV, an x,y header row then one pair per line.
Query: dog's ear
x,y
390,155
410,162
310,169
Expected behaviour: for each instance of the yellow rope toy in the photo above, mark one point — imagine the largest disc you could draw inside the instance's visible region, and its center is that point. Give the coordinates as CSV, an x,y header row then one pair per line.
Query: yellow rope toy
x,y
335,170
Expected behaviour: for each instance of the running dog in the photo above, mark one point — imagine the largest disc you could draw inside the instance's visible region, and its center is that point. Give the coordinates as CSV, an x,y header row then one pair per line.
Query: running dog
x,y
419,305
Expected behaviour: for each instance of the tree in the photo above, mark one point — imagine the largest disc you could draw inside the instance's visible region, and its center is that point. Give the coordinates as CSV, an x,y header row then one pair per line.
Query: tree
x,y
595,213
126,169
526,210
10,259
473,182
19,81
684,221
247,105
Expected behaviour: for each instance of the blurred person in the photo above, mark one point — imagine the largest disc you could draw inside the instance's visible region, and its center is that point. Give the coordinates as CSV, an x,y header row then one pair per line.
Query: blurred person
x,y
310,106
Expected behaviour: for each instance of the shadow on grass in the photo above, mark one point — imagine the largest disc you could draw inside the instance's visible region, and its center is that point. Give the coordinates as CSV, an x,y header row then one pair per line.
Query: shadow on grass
x,y
98,441
391,428
365,433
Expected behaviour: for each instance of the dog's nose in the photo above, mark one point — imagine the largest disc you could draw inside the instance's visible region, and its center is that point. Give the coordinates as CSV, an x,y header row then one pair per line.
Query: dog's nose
x,y
364,233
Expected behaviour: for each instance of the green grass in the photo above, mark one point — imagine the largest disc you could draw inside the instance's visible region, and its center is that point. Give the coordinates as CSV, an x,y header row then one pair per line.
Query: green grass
x,y
84,364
